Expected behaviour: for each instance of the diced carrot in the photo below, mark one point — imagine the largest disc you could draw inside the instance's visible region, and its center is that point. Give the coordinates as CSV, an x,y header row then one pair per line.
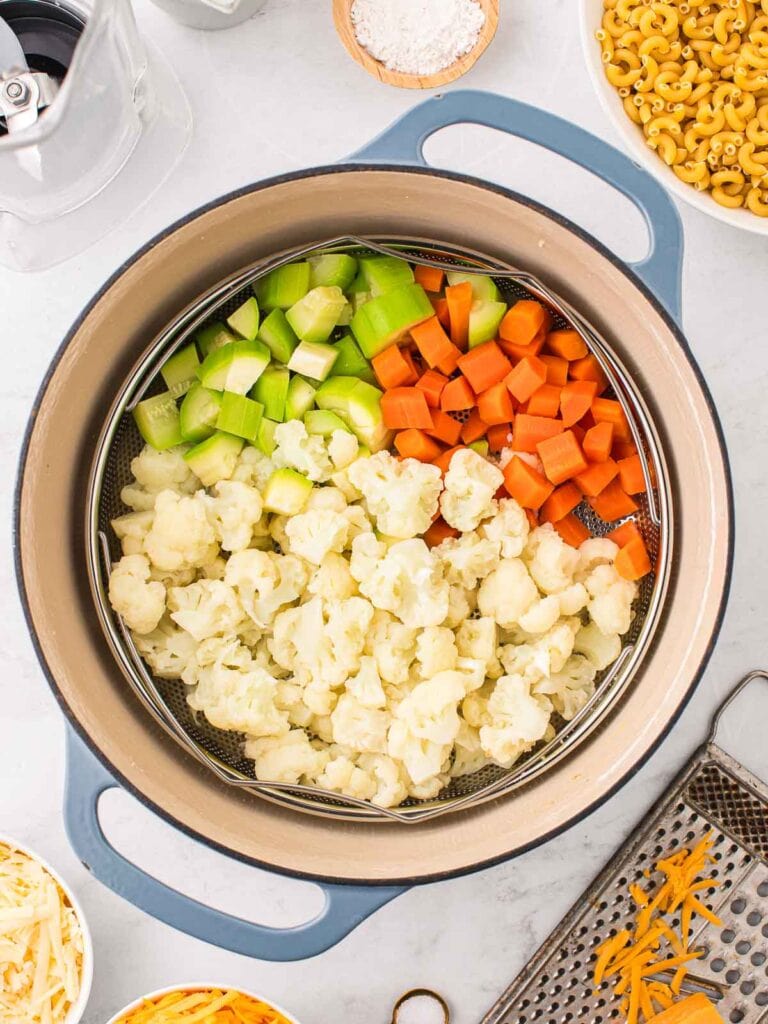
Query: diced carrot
x,y
484,366
499,436
632,561
596,477
443,461
526,378
623,449
515,351
532,517
579,433
545,401
528,431
572,530
457,395
562,457
631,475
445,428
474,428
588,368
566,343
430,278
495,405
613,503
440,306
432,341
625,533
557,369
587,421
598,441
608,410
414,444
410,356
524,321
459,298
438,532
529,488
392,368
560,502
575,400
450,362
432,383
405,407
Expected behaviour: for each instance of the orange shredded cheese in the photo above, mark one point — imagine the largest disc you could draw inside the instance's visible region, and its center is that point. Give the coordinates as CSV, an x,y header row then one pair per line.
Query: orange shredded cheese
x,y
207,1006
632,959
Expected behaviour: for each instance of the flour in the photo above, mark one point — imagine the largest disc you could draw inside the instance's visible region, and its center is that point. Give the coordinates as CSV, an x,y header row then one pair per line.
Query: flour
x,y
418,37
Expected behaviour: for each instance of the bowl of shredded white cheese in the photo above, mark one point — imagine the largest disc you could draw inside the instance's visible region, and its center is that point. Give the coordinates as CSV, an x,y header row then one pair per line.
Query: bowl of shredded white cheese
x,y
416,44
46,956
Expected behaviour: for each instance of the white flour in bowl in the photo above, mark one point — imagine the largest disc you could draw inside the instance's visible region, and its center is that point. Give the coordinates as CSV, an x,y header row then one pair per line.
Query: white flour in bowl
x,y
417,37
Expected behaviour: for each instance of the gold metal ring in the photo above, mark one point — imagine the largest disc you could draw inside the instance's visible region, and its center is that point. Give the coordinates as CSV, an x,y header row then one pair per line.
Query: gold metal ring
x,y
414,993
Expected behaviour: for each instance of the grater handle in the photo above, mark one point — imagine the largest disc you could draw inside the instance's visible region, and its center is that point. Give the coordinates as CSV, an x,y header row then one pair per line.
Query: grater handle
x,y
403,142
346,906
736,692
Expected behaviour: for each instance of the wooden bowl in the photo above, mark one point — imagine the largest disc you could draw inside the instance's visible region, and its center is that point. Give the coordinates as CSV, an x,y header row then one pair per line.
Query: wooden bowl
x,y
342,16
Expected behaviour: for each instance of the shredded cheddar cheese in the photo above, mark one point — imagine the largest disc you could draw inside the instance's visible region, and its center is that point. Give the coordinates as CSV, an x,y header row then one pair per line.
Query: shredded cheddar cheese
x,y
632,960
41,943
206,1006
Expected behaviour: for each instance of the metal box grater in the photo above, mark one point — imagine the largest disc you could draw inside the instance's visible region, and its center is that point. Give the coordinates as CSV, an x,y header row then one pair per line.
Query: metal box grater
x,y
713,793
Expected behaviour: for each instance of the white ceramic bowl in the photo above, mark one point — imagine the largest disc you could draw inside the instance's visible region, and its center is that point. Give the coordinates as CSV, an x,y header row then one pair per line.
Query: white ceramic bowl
x,y
77,1009
198,986
590,16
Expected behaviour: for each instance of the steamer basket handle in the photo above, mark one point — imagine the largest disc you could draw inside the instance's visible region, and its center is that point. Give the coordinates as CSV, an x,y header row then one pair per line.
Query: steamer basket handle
x,y
403,142
345,906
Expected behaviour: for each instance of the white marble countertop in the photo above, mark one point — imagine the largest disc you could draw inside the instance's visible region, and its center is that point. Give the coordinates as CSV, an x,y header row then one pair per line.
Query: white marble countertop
x,y
272,95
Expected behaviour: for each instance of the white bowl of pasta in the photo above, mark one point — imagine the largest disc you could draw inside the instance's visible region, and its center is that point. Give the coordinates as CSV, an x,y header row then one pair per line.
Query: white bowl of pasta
x,y
686,85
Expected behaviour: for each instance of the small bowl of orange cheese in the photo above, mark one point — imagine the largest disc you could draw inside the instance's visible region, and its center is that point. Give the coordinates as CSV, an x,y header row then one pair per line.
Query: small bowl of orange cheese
x,y
202,1004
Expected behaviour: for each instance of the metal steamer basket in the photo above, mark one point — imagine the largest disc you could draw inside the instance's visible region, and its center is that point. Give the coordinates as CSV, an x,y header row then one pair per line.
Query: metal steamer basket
x,y
222,751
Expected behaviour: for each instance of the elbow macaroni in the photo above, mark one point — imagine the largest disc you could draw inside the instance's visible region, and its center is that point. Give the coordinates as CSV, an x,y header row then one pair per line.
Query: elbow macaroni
x,y
693,75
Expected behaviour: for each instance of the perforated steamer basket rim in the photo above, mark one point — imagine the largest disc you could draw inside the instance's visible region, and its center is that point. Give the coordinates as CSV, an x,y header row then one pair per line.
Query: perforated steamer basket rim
x,y
222,751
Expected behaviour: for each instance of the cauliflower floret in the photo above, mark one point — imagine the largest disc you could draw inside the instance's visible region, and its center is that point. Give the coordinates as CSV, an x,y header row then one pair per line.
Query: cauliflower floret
x,y
289,697
300,450
342,448
474,707
365,686
470,484
429,789
347,630
314,534
326,498
170,652
542,615
468,756
359,727
430,710
462,602
422,759
359,523
241,699
408,582
206,608
467,558
253,468
551,562
290,758
154,472
601,649
507,593
519,720
393,645
573,599
534,657
611,597
367,552
265,581
593,552
570,689
340,479
342,775
332,579
181,537
233,512
402,497
134,596
478,639
435,650
472,671
508,528
390,788
132,529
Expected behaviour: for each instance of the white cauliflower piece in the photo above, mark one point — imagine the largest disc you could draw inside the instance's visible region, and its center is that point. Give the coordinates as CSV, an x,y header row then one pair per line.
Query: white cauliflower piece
x,y
393,646
181,537
342,448
289,758
300,450
367,553
542,615
347,631
401,497
240,699
509,528
519,720
276,528
431,709
470,484
314,534
390,788
468,755
601,649
593,552
234,511
507,593
611,597
154,472
265,581
478,639
253,468
332,579
462,602
551,562
289,697
365,685
206,608
573,599
340,479
570,689
358,521
342,775
435,650
408,582
134,596
170,652
132,529
422,759
472,671
359,727
326,498
474,707
429,789
467,558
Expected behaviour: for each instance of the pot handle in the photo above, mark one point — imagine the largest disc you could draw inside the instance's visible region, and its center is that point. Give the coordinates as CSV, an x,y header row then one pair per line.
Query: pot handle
x,y
403,142
346,906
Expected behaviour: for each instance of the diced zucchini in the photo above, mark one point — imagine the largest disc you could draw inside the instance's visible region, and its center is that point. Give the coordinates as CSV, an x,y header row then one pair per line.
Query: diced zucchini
x,y
358,404
358,286
179,371
359,299
313,359
332,268
278,335
213,336
314,316
199,412
283,287
286,492
271,389
300,398
484,319
158,421
386,319
350,361
240,416
245,320
384,273
324,422
345,317
235,367
215,458
265,439
483,287
481,447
